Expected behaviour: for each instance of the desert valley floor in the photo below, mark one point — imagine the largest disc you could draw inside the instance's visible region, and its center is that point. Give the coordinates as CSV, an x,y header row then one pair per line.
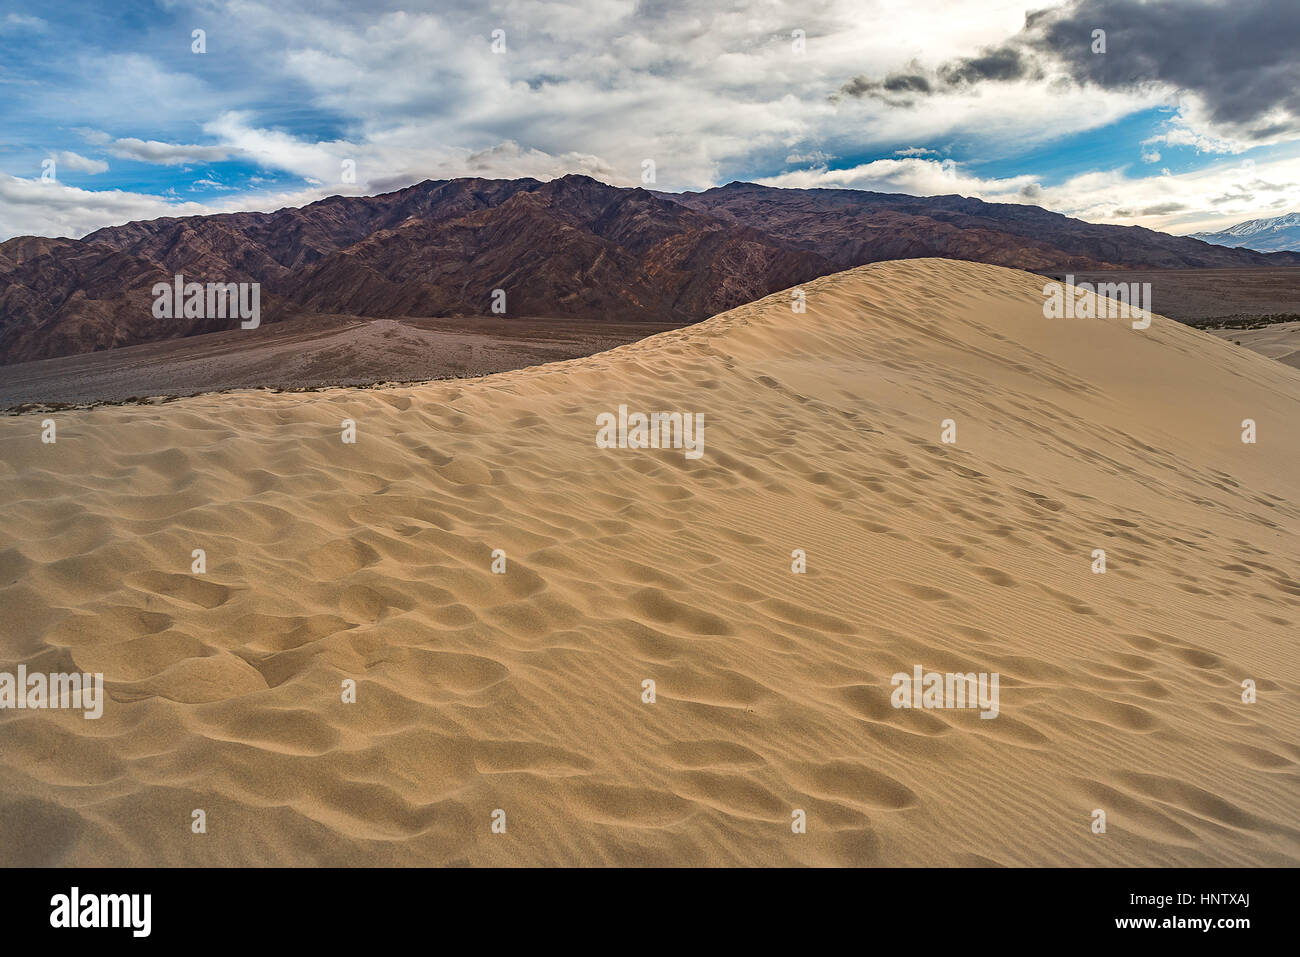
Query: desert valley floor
x,y
523,691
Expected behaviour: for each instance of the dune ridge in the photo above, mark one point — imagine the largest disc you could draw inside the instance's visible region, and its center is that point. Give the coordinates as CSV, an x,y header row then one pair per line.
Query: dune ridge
x,y
522,691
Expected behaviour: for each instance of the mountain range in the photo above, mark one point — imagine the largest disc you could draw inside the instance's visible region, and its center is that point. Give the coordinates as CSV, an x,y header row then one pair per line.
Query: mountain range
x,y
571,247
1278,234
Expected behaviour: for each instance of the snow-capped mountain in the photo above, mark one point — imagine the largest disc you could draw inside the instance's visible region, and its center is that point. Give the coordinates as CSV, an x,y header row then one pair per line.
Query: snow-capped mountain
x,y
1266,235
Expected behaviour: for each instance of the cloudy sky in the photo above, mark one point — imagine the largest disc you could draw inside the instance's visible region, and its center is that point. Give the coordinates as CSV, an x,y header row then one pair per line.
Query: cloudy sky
x,y
1189,119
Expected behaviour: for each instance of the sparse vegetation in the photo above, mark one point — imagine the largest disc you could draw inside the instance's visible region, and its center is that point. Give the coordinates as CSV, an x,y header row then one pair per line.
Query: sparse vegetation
x,y
1245,322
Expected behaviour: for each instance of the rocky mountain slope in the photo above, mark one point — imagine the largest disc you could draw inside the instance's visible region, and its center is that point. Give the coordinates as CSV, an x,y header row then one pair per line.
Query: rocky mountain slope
x,y
572,247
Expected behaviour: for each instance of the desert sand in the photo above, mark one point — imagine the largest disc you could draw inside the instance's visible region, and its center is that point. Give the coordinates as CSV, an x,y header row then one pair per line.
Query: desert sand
x,y
1280,341
309,353
523,691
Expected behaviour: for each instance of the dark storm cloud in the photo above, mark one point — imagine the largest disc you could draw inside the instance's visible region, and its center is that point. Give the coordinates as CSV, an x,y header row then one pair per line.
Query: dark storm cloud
x,y
1239,57
893,87
995,64
1164,209
1001,63
906,83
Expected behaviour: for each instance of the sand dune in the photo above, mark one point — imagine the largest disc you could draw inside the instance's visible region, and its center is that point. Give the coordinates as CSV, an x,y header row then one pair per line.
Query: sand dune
x,y
1280,341
309,353
522,691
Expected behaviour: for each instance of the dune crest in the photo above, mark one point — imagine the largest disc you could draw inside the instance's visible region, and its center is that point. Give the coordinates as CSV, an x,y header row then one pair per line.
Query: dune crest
x,y
523,691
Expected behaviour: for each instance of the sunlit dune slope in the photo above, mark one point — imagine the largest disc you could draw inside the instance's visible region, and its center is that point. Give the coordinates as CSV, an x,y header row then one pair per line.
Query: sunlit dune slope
x,y
523,691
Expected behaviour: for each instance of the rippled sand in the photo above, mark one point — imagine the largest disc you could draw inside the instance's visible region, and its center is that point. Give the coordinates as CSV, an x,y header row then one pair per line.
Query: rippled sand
x,y
523,691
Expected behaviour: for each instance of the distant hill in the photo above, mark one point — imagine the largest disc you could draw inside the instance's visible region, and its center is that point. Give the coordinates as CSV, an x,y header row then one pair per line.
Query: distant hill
x,y
852,227
572,247
1279,234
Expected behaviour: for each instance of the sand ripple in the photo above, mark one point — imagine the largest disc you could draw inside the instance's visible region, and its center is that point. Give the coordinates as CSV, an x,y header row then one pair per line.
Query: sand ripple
x,y
522,691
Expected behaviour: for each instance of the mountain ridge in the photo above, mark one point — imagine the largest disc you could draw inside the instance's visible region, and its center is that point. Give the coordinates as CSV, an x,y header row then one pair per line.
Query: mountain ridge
x,y
567,247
